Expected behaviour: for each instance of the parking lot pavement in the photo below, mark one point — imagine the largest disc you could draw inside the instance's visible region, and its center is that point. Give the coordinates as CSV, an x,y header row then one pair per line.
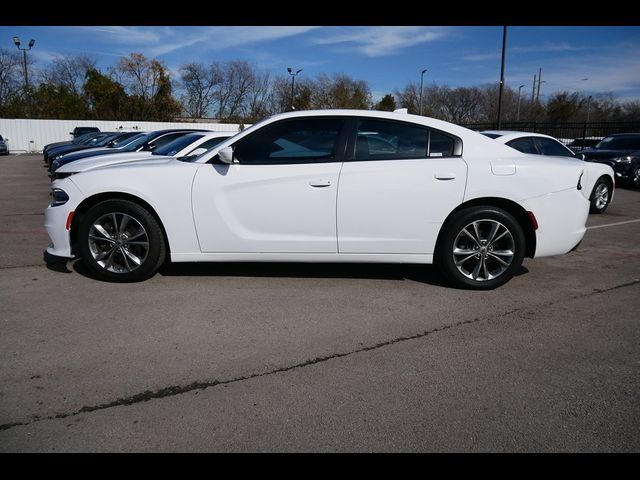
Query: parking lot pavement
x,y
207,357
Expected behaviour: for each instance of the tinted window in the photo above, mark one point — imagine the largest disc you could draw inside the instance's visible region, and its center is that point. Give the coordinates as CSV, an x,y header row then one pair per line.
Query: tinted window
x,y
551,147
440,145
619,143
125,139
178,144
294,141
386,140
211,143
524,145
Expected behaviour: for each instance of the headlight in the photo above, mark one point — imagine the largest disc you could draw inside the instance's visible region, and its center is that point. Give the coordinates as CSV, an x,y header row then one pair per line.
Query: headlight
x,y
55,164
622,160
59,197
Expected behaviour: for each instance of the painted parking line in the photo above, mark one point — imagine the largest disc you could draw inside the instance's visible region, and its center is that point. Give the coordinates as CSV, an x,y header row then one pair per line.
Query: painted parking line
x,y
613,224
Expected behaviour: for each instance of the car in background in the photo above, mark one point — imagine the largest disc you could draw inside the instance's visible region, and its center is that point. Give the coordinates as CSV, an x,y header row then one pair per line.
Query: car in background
x,y
76,141
101,139
82,130
145,142
4,148
577,144
189,145
430,192
599,180
622,152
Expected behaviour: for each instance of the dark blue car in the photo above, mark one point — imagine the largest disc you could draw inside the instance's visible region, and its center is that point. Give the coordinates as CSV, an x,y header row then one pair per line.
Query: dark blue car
x,y
622,152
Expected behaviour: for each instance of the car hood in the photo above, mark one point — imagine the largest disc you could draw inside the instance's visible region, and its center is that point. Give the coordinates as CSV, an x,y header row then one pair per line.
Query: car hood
x,y
91,152
593,154
90,163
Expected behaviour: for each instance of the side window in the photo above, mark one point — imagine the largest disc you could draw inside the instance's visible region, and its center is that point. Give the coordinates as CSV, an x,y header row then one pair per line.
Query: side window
x,y
524,145
551,147
292,141
211,143
387,140
440,145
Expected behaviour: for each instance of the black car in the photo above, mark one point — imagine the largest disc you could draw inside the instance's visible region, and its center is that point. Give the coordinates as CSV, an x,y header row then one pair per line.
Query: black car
x,y
76,141
82,130
101,140
4,149
146,142
622,152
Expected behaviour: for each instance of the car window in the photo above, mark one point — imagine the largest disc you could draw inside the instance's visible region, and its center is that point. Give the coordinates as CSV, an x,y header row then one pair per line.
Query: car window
x,y
292,141
440,145
165,139
211,143
619,143
388,140
524,145
177,144
551,147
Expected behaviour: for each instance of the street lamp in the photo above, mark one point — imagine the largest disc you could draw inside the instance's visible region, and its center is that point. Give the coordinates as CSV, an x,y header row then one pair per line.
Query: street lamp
x,y
421,80
518,112
32,42
504,54
293,84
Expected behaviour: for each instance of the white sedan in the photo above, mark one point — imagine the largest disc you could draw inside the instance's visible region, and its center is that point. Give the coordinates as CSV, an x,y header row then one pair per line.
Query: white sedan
x,y
327,186
599,179
191,144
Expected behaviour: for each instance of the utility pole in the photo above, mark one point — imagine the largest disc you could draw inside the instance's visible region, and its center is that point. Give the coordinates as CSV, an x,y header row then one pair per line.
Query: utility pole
x,y
518,111
421,80
504,52
539,81
533,92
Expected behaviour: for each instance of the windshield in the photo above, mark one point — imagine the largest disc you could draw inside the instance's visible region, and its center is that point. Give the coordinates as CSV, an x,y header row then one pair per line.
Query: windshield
x,y
126,139
620,143
171,148
103,141
83,137
138,142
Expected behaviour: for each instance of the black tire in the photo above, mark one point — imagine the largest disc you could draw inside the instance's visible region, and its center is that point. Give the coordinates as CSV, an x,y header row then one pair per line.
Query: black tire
x,y
600,195
91,249
486,217
634,180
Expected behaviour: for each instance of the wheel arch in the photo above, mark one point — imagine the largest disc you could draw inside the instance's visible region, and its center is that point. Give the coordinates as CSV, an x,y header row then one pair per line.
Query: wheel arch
x,y
511,207
93,200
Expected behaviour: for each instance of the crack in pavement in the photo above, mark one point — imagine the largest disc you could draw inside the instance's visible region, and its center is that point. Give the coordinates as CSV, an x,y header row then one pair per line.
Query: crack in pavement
x,y
174,390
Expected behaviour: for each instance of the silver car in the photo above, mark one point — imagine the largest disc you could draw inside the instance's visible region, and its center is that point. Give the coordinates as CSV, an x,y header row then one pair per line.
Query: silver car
x,y
4,148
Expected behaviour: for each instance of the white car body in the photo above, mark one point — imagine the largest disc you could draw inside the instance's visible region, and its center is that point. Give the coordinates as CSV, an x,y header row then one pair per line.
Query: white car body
x,y
593,170
355,211
124,157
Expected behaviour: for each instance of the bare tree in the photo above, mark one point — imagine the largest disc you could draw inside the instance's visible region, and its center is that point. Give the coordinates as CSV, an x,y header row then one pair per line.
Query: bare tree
x,y
10,76
199,83
68,72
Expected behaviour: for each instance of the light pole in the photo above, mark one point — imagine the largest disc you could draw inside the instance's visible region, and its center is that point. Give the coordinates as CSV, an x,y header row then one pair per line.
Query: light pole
x,y
32,42
504,53
421,90
518,111
293,84
584,132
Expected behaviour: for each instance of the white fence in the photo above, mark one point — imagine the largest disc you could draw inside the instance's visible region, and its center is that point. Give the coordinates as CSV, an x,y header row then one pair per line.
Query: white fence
x,y
25,135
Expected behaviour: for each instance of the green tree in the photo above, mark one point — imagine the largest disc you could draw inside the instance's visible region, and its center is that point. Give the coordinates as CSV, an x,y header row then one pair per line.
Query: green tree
x,y
387,103
106,98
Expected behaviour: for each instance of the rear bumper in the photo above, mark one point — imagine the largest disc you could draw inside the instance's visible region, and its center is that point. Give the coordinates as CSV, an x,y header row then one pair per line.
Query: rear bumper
x,y
562,218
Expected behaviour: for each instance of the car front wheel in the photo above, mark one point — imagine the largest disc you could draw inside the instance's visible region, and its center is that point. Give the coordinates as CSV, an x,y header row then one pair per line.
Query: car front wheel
x,y
481,248
121,241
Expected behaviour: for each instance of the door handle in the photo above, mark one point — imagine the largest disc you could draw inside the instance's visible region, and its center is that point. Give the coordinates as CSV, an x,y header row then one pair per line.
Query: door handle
x,y
445,176
320,183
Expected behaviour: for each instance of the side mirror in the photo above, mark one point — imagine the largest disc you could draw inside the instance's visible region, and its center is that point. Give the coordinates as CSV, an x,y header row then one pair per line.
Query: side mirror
x,y
581,156
226,155
198,151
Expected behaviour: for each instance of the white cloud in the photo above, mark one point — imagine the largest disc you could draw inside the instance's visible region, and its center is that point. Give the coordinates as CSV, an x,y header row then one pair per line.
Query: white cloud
x,y
378,41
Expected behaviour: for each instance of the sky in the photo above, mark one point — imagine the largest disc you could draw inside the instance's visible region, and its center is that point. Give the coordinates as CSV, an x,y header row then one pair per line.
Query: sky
x,y
585,59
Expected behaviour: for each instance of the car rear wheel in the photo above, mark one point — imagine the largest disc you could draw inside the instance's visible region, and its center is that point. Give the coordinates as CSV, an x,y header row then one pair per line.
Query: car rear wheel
x,y
635,177
600,196
481,248
121,241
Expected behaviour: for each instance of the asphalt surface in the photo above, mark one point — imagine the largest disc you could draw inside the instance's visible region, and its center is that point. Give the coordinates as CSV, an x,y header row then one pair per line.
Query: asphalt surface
x,y
285,357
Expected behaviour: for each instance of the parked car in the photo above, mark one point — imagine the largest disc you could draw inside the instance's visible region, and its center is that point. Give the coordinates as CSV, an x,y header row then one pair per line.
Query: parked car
x,y
622,152
4,148
191,144
599,179
100,139
146,142
443,194
82,130
77,140
577,144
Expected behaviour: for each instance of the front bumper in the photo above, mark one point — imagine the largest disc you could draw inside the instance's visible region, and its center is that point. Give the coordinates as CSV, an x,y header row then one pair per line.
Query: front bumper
x,y
562,218
55,221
